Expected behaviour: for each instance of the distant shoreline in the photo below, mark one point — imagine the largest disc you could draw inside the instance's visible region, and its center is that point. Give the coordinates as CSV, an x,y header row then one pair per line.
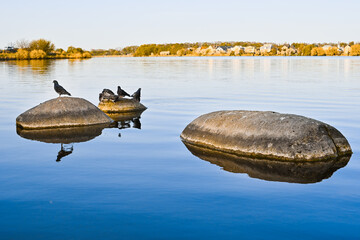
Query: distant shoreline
x,y
168,56
173,56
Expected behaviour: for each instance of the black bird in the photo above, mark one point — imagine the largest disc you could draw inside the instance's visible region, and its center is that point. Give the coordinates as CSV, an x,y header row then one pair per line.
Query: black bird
x,y
122,93
59,89
136,95
108,94
107,91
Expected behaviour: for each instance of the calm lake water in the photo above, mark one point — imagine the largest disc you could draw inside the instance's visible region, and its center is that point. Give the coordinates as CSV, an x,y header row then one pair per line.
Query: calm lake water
x,y
143,183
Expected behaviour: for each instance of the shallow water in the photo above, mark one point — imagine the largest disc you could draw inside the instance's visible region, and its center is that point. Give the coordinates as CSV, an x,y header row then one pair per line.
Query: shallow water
x,y
143,183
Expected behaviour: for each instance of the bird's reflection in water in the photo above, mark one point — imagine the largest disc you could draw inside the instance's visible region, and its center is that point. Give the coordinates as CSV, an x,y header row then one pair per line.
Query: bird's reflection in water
x,y
126,120
135,122
66,149
65,136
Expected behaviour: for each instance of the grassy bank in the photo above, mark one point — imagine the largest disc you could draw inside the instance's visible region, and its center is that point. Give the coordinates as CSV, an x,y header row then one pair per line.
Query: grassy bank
x,y
40,49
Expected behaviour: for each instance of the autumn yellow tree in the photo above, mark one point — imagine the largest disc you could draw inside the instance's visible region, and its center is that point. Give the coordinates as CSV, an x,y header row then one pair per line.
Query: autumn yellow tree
x,y
317,51
37,54
333,51
355,50
22,54
42,44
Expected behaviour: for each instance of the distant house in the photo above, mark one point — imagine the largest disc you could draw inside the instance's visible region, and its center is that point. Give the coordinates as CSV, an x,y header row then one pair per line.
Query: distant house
x,y
347,50
266,48
250,49
237,49
10,49
340,48
222,49
205,51
164,53
293,49
285,47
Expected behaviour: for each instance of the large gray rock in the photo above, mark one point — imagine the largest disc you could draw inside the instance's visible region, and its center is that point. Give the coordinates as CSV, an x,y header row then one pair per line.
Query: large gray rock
x,y
122,105
62,112
267,135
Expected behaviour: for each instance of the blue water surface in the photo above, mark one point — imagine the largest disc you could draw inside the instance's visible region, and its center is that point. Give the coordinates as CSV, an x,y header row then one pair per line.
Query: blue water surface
x,y
146,184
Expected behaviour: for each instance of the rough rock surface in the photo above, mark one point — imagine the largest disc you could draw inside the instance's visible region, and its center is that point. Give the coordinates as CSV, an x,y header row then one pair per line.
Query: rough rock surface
x,y
62,112
267,135
120,106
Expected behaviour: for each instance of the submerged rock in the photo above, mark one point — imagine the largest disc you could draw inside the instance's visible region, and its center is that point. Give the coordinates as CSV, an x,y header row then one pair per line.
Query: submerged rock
x,y
267,135
121,105
62,112
272,170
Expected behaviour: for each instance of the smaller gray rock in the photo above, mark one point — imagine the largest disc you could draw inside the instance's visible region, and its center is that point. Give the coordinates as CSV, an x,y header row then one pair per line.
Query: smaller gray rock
x,y
267,135
62,112
122,105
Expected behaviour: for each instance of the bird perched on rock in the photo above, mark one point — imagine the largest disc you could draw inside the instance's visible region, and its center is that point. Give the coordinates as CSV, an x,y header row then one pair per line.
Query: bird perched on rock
x,y
136,95
107,91
108,94
121,92
59,89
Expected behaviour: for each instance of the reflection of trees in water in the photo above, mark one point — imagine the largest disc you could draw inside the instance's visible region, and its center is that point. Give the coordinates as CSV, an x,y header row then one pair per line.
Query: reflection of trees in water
x,y
74,62
41,66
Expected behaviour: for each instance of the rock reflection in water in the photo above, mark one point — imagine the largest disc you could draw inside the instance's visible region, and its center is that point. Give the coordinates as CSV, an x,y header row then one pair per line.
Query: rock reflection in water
x,y
126,120
271,170
62,135
68,136
65,136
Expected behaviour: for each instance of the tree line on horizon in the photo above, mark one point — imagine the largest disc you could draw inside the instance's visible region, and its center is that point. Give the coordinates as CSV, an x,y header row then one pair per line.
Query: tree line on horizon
x,y
187,49
44,49
40,49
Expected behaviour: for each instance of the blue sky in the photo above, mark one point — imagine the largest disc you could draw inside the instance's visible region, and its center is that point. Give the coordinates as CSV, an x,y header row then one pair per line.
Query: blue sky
x,y
112,24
